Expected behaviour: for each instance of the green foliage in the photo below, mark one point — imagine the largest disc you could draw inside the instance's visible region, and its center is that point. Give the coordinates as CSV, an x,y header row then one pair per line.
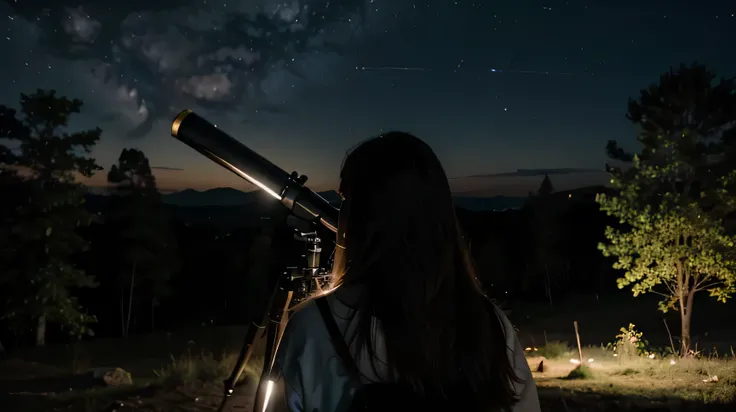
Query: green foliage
x,y
675,245
45,209
675,195
630,343
553,350
580,372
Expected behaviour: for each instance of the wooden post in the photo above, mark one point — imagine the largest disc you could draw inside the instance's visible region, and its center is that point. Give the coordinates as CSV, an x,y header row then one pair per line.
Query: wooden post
x,y
672,343
577,335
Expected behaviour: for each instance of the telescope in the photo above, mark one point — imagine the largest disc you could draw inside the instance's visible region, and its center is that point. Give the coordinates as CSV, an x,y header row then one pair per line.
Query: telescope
x,y
308,211
289,189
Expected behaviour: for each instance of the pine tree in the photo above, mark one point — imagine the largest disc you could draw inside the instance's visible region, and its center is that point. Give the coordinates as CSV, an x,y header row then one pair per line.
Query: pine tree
x,y
140,235
48,211
546,188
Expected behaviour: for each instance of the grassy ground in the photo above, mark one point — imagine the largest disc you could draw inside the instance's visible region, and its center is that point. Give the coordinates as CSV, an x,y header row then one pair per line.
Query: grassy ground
x,y
171,371
184,371
636,382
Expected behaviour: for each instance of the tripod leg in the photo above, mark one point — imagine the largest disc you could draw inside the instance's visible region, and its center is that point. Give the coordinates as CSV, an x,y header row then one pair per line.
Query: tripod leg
x,y
282,324
280,328
275,329
258,321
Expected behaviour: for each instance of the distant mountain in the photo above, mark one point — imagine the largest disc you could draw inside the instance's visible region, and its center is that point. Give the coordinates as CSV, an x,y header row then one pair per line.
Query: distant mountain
x,y
486,204
221,196
226,196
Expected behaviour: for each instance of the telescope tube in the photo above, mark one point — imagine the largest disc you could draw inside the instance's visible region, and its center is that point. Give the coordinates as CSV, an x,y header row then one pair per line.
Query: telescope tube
x,y
221,148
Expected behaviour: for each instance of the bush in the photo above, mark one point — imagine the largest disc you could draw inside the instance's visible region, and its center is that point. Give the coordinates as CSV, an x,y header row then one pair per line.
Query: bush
x,y
553,350
580,372
630,343
204,367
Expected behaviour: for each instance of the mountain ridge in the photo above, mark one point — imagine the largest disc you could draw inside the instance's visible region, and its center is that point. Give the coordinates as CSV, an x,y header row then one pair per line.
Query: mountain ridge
x,y
227,196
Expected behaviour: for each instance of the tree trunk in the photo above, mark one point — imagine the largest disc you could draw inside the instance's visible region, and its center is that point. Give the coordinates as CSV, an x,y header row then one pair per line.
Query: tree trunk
x,y
153,314
549,285
123,332
130,296
686,312
41,331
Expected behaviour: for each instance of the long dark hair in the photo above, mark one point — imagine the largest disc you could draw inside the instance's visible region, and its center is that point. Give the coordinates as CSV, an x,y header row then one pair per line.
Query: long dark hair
x,y
404,249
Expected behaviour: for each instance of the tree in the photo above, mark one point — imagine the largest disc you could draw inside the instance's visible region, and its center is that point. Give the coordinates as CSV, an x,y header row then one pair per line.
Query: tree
x,y
48,211
140,236
676,193
546,188
543,234
10,185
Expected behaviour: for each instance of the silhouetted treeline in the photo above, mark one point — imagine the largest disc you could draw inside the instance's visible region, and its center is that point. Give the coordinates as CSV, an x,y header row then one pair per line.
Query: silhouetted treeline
x,y
75,265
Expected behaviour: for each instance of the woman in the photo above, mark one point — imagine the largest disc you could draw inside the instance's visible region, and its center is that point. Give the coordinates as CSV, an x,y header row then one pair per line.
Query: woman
x,y
406,300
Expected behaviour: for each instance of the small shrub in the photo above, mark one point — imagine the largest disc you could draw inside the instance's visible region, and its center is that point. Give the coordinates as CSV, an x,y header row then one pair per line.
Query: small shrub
x,y
205,367
553,350
630,343
580,372
626,372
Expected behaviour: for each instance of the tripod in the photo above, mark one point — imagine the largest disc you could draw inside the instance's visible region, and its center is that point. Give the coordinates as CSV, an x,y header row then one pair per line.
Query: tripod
x,y
294,284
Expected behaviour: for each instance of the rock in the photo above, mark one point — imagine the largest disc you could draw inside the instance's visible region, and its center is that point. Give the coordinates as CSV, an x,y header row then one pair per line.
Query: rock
x,y
535,362
541,367
112,376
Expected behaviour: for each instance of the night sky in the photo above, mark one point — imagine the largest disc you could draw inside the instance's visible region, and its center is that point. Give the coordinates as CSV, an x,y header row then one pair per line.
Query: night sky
x,y
492,86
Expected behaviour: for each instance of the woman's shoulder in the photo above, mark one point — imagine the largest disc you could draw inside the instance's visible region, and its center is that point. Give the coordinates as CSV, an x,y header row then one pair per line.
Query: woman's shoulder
x,y
508,328
306,334
306,318
302,320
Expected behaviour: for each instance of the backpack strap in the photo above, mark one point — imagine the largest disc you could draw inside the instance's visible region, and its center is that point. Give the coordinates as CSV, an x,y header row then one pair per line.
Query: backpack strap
x,y
338,341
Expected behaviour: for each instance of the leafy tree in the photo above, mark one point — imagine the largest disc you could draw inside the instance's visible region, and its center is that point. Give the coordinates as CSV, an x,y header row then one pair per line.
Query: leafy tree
x,y
47,211
676,193
142,241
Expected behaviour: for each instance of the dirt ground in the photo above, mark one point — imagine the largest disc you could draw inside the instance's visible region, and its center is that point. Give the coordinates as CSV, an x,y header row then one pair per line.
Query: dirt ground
x,y
57,392
52,380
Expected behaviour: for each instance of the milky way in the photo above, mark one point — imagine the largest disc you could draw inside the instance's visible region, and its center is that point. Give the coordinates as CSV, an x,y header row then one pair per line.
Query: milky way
x,y
160,55
492,86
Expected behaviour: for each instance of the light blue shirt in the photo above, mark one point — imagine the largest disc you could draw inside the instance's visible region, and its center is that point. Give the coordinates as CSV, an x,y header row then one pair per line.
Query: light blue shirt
x,y
315,379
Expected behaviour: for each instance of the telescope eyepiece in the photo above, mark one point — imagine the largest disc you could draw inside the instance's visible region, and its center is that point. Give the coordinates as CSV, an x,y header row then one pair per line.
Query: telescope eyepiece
x,y
177,122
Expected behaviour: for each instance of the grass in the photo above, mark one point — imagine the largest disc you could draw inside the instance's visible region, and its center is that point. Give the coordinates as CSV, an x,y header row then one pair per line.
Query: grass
x,y
185,370
662,381
580,372
553,350
191,369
